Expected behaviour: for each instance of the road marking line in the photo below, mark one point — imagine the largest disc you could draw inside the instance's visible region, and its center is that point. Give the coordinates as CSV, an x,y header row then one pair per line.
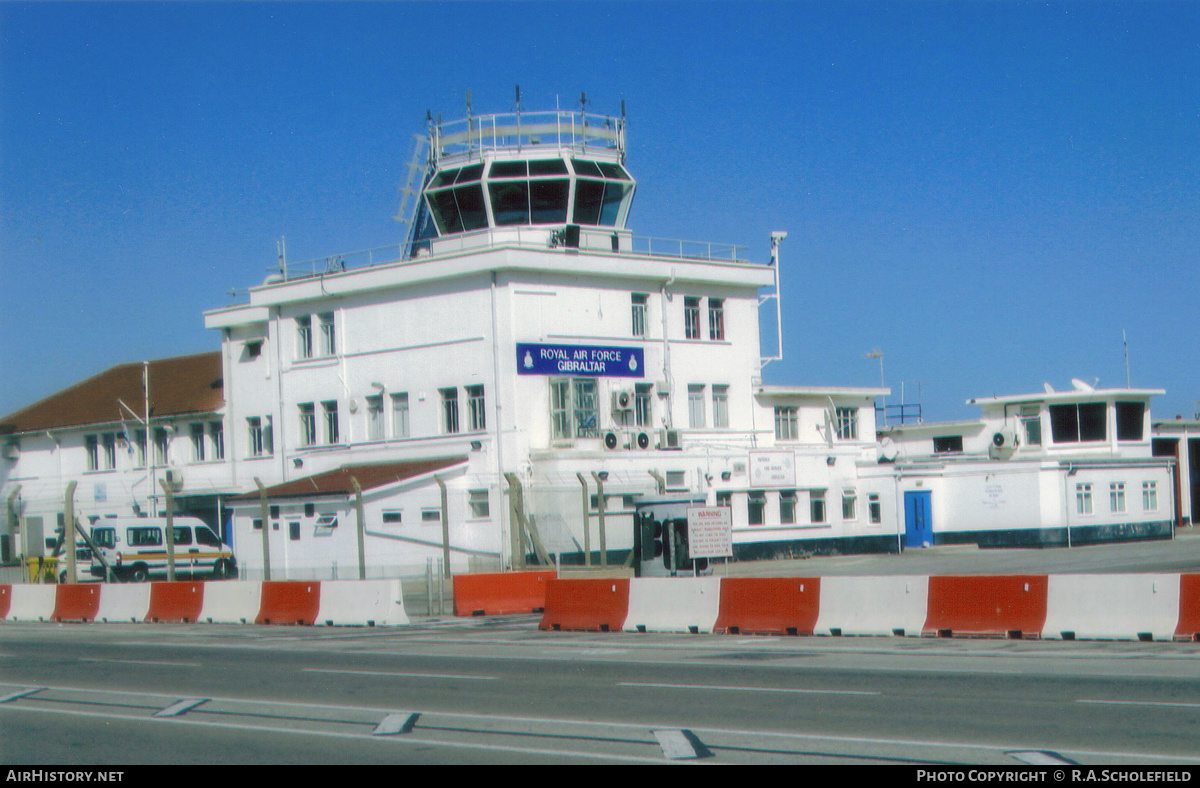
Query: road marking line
x,y
361,737
1141,703
181,706
403,675
746,689
142,662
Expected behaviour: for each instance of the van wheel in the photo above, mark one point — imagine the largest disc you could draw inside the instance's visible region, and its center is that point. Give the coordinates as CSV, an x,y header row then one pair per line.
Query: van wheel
x,y
221,570
139,574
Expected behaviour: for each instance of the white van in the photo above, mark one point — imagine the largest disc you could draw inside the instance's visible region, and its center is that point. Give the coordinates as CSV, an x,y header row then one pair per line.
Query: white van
x,y
136,549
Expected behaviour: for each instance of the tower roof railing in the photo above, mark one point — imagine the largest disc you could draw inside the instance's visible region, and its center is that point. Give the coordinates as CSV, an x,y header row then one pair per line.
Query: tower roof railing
x,y
526,237
559,130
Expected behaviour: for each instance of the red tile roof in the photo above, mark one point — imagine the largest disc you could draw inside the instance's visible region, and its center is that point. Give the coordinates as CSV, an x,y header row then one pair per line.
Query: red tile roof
x,y
337,482
179,386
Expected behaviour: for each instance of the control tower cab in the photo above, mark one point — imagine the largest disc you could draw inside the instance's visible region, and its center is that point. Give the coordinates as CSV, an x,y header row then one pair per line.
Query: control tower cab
x,y
559,175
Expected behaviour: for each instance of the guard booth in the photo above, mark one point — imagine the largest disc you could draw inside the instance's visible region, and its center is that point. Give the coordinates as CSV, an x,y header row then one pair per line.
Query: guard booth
x,y
661,540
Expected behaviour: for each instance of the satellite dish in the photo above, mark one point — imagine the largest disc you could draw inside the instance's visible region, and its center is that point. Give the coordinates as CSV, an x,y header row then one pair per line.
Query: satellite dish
x,y
1049,389
1080,385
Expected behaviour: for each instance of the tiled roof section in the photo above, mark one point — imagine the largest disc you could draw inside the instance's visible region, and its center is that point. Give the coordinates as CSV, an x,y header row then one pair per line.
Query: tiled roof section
x,y
337,482
178,386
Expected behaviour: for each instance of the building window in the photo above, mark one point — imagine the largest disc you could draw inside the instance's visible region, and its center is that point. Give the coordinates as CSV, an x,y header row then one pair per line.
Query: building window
x,y
1150,496
874,508
197,443
1031,420
560,408
816,505
392,518
294,531
400,415
328,335
847,423
109,443
787,423
304,346
756,505
787,507
948,444
259,433
140,445
695,406
691,317
431,515
1130,420
643,404
308,424
161,446
716,318
330,410
478,502
475,408
92,443
1116,496
720,403
638,316
1083,498
849,505
374,417
1077,423
586,409
449,410
216,433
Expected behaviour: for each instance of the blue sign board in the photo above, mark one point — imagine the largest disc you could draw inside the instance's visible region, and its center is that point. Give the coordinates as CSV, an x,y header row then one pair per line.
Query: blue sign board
x,y
584,360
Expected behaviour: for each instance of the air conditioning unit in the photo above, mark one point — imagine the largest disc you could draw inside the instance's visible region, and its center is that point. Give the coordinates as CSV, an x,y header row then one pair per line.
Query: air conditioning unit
x,y
613,440
622,400
669,439
640,440
1004,439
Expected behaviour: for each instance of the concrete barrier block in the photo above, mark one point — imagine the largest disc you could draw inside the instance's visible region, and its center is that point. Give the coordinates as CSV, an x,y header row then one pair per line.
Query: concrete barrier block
x,y
673,604
873,605
1112,607
231,602
120,602
32,602
361,603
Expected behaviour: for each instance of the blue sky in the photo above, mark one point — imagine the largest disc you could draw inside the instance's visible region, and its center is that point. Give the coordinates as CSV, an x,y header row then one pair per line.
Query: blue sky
x,y
991,193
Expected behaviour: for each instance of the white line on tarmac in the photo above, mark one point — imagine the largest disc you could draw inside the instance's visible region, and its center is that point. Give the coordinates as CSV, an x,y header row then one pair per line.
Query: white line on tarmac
x,y
141,662
404,675
1141,703
746,689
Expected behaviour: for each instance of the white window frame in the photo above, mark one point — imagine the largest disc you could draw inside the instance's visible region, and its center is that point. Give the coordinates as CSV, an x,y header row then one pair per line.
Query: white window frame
x,y
720,404
695,400
400,414
308,423
787,423
1150,496
476,408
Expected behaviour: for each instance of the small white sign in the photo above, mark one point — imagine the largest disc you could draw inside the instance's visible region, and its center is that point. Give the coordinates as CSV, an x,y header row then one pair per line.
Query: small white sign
x,y
710,531
772,469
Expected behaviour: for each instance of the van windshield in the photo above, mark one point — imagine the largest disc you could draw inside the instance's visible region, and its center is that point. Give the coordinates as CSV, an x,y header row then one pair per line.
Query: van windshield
x,y
207,538
104,537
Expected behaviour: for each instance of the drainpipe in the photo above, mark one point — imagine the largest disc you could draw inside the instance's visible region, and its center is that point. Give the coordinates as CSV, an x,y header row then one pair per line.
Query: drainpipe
x,y
69,531
445,527
587,526
600,512
266,527
358,507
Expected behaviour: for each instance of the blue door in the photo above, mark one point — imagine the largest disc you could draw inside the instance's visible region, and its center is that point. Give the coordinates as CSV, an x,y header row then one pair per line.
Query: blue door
x,y
918,519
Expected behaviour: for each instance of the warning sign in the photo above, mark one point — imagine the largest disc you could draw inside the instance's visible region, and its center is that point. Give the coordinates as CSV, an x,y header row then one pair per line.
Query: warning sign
x,y
710,531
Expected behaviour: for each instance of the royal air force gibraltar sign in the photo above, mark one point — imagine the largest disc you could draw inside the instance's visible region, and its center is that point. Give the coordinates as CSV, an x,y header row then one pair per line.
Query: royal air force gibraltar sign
x,y
585,360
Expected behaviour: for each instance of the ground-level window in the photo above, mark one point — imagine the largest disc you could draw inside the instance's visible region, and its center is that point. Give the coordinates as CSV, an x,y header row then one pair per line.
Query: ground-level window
x,y
1083,498
478,501
431,516
1116,496
756,505
787,507
874,508
1150,496
849,505
816,502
